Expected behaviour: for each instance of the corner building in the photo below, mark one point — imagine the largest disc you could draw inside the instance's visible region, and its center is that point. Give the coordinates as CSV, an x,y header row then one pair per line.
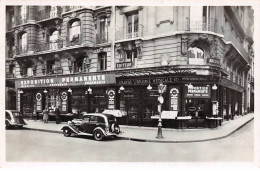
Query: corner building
x,y
97,58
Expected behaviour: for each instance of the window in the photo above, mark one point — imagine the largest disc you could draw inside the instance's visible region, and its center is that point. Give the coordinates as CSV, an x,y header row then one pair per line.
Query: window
x,y
51,67
194,52
102,61
102,30
23,13
74,32
132,26
54,36
196,56
23,43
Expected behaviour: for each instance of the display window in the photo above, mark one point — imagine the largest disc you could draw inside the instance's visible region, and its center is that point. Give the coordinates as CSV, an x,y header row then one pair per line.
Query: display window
x,y
197,107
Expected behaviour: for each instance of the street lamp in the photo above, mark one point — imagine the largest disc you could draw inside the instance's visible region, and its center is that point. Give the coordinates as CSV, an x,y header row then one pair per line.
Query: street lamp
x,y
45,91
69,90
214,87
122,88
89,90
161,90
149,87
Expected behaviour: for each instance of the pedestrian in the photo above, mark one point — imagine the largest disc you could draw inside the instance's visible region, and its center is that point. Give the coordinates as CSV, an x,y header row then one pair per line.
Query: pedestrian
x,y
57,114
45,115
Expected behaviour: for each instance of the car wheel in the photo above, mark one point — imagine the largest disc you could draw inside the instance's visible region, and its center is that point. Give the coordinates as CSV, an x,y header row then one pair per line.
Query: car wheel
x,y
98,135
66,132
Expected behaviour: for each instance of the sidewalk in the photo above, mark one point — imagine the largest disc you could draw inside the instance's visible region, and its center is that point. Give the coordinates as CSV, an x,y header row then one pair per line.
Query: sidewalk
x,y
147,134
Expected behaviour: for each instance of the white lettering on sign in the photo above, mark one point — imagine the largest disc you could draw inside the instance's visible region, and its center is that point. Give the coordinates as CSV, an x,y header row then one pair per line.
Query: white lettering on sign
x,y
202,90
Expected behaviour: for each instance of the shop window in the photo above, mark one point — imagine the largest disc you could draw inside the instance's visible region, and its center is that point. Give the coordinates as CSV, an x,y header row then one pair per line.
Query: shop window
x,y
53,40
102,61
132,25
74,32
196,56
197,107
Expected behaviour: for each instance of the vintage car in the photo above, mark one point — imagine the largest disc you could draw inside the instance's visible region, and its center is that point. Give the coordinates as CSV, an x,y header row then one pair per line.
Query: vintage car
x,y
97,125
13,118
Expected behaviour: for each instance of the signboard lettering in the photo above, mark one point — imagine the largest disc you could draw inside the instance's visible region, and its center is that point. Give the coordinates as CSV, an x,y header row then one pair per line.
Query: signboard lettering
x,y
67,81
197,92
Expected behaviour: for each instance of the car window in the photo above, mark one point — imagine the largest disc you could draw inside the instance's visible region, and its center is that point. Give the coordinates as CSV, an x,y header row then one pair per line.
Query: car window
x,y
86,118
101,119
7,115
93,118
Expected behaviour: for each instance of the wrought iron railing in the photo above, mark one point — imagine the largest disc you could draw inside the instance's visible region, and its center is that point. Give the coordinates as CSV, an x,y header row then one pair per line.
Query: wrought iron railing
x,y
101,38
21,50
201,23
22,19
74,41
130,32
43,46
48,13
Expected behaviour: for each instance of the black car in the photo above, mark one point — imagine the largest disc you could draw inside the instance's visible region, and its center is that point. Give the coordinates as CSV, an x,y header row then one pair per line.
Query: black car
x,y
97,125
13,118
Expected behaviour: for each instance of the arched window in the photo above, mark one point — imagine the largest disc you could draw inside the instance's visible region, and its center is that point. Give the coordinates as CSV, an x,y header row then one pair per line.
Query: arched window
x,y
194,52
74,32
54,36
196,56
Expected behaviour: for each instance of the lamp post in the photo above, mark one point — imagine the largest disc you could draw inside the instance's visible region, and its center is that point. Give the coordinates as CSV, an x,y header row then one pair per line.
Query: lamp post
x,y
161,89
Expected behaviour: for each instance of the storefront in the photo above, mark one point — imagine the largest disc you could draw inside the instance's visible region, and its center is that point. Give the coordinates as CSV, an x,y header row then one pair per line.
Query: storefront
x,y
184,96
72,94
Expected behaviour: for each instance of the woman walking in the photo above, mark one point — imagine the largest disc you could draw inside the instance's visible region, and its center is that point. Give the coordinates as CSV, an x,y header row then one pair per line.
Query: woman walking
x,y
45,115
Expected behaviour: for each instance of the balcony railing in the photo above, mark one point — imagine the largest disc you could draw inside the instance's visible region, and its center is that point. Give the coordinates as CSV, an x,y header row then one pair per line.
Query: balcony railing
x,y
201,23
21,50
42,46
49,13
129,32
22,19
101,38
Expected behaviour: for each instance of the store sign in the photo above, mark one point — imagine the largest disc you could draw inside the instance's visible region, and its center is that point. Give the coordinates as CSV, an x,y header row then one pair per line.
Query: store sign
x,y
111,99
174,93
67,81
197,92
124,65
144,81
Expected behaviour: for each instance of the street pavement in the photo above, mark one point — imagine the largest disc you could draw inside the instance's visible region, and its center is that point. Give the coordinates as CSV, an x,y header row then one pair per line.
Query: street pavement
x,y
148,134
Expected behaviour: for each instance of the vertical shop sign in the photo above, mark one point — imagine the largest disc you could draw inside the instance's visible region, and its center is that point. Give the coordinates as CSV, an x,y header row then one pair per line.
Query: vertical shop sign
x,y
174,93
64,97
38,102
111,99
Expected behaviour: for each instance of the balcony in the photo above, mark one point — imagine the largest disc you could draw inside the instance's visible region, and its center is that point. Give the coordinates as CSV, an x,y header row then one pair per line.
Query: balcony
x,y
129,32
21,50
230,37
201,24
22,19
49,13
101,38
42,46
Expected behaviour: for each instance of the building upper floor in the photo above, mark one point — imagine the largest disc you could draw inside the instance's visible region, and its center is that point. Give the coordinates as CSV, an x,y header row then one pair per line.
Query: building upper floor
x,y
136,36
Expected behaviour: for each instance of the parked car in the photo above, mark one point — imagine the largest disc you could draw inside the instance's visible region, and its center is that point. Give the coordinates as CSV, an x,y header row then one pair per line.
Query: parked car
x,y
13,118
97,125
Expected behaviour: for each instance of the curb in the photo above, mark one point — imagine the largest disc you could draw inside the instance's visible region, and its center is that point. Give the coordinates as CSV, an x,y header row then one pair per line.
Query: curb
x,y
157,141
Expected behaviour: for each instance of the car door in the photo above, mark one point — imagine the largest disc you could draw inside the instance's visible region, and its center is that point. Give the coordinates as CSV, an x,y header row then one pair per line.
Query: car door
x,y
93,123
